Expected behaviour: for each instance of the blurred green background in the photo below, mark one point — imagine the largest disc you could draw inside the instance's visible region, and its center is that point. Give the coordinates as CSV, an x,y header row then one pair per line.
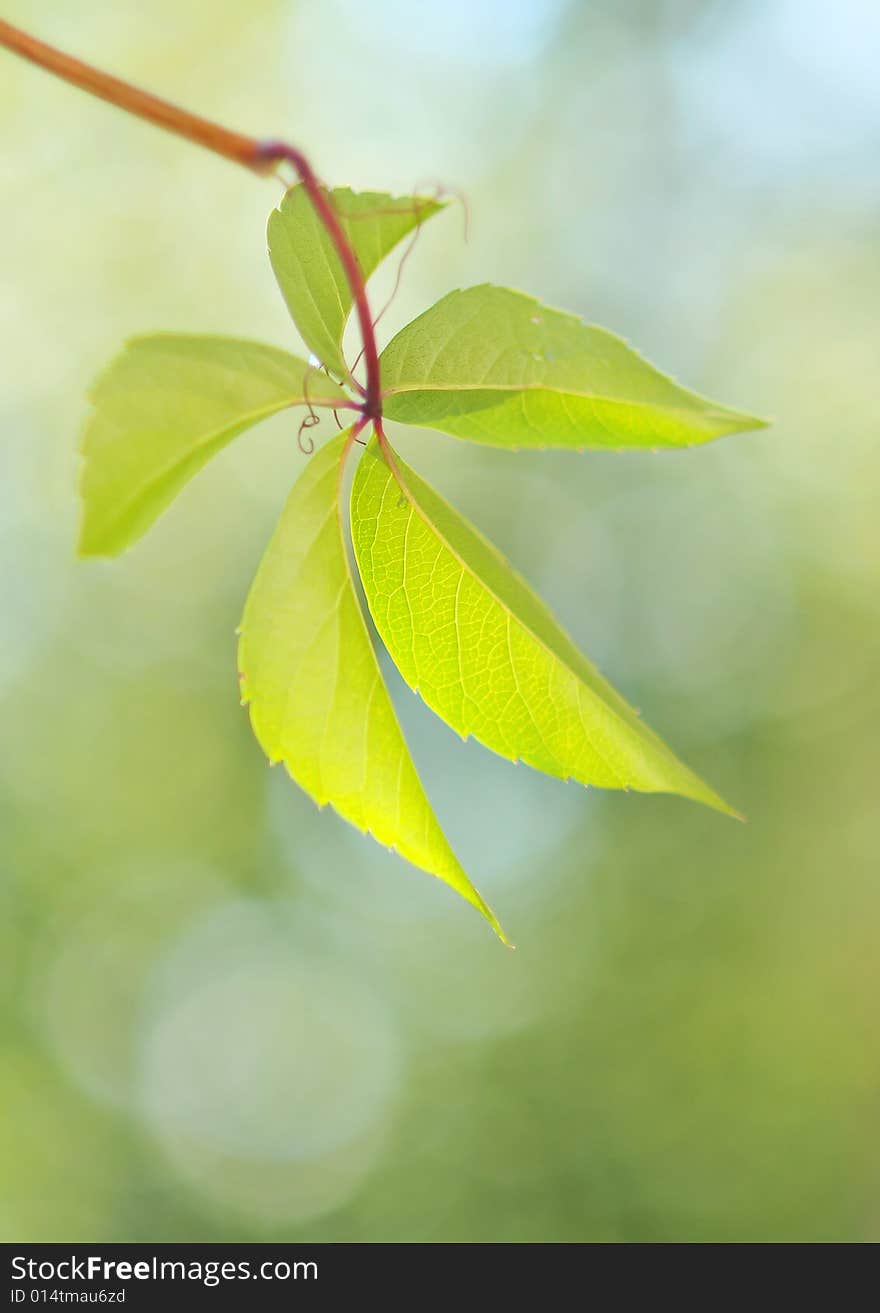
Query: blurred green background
x,y
228,1016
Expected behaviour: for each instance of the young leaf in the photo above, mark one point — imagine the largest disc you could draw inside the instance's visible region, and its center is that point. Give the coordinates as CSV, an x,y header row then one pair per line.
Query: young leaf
x,y
492,365
162,409
309,271
315,693
484,651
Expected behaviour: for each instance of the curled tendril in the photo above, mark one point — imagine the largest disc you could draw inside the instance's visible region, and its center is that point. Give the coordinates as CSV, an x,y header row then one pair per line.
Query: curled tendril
x,y
305,443
407,252
437,193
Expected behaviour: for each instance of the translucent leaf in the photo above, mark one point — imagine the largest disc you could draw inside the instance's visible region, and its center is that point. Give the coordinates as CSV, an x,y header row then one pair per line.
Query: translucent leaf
x,y
484,651
495,366
310,273
312,683
162,409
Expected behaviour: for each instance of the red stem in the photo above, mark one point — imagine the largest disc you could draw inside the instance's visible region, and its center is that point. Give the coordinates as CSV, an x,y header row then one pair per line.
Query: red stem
x,y
259,156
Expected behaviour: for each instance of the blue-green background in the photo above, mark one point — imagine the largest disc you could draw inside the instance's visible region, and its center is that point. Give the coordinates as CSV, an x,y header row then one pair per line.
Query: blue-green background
x,y
226,1016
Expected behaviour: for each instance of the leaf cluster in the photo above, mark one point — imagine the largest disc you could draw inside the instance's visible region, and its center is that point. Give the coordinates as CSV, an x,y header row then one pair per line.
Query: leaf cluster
x,y
487,365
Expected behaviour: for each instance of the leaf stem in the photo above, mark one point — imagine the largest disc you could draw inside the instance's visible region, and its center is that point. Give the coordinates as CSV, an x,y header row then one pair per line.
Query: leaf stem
x,y
387,451
261,157
353,437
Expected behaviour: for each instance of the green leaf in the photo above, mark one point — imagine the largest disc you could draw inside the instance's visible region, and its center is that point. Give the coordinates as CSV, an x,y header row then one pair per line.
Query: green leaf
x,y
316,696
310,273
484,651
495,366
163,408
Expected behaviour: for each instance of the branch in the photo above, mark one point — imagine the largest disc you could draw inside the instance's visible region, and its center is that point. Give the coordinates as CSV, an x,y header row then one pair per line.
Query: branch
x,y
261,157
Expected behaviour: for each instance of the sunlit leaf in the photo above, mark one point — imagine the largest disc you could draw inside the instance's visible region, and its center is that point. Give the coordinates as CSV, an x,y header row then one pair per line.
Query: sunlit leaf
x,y
485,652
162,409
310,273
492,365
312,683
